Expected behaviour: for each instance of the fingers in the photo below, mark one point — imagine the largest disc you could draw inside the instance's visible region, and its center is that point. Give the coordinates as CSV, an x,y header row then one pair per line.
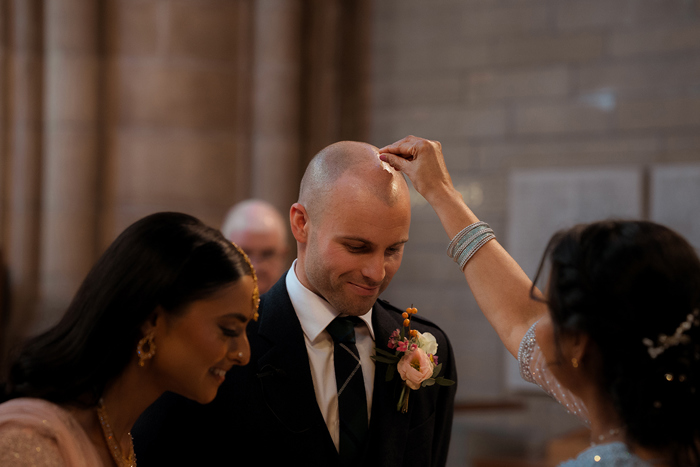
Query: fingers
x,y
405,146
397,162
410,146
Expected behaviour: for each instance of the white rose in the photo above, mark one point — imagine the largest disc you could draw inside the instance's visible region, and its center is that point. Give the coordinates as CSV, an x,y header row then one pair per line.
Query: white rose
x,y
428,343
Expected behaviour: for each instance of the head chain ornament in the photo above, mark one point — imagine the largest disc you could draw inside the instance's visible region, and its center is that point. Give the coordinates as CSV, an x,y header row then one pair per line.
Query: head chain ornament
x,y
678,337
256,291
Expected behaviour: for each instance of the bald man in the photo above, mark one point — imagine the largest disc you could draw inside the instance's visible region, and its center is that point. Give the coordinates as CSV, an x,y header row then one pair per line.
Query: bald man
x,y
351,223
259,229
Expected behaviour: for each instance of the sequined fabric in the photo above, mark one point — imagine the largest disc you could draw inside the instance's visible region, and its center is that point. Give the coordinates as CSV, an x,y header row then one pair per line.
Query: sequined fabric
x,y
35,432
24,447
608,455
533,369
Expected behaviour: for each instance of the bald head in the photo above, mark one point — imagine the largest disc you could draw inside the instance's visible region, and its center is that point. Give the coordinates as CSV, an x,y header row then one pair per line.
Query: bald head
x,y
261,231
357,163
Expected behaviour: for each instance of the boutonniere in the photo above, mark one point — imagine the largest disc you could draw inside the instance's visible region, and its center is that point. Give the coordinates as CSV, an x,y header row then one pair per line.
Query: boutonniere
x,y
414,357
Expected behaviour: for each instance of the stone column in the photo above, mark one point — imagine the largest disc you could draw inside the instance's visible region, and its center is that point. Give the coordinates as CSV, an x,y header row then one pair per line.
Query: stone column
x,y
71,191
24,146
276,101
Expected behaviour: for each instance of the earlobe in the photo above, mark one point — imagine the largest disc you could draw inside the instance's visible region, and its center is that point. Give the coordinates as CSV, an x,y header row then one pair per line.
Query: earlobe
x,y
579,346
299,220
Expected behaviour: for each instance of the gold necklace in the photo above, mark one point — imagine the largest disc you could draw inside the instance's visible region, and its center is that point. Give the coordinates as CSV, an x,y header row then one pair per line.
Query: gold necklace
x,y
114,449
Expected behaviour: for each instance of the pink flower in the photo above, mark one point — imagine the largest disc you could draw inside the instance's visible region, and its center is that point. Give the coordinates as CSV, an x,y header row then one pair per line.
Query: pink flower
x,y
393,339
415,367
403,345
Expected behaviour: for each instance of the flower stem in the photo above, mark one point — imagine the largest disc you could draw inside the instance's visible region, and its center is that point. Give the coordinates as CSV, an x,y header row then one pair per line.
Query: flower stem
x,y
403,399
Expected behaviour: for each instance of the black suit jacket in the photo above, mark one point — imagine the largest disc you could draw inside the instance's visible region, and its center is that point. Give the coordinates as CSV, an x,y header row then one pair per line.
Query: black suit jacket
x,y
266,414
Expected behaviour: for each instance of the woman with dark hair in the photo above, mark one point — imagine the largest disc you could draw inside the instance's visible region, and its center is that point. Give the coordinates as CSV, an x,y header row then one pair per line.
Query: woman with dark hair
x,y
617,338
165,308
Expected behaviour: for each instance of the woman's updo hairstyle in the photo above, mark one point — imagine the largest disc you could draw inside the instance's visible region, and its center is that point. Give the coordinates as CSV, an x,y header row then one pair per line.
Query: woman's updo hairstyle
x,y
166,260
627,284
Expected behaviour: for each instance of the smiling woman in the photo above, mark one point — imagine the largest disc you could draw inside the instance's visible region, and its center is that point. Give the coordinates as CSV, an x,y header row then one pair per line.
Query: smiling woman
x,y
164,309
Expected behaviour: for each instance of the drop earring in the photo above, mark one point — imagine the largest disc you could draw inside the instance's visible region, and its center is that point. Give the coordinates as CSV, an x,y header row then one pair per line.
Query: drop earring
x,y
144,355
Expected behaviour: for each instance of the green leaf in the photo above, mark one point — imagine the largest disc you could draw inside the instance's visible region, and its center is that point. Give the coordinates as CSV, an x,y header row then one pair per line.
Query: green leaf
x,y
444,381
436,370
428,382
378,358
385,353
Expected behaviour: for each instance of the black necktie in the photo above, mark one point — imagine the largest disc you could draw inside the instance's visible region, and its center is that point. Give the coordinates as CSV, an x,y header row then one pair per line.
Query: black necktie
x,y
352,398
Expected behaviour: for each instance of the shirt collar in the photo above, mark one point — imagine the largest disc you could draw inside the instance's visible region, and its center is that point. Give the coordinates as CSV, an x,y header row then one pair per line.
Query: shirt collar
x,y
313,311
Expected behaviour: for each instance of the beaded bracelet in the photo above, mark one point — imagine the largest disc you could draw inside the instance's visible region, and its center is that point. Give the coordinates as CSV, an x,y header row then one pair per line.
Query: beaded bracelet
x,y
468,241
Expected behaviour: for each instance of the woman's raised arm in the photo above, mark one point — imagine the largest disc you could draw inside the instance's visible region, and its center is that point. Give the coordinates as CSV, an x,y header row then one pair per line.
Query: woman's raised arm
x,y
501,288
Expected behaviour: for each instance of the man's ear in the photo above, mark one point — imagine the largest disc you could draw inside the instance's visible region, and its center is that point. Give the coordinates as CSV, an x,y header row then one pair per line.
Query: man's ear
x,y
299,220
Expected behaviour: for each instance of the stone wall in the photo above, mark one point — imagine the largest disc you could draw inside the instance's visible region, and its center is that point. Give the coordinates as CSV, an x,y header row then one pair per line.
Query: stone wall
x,y
512,84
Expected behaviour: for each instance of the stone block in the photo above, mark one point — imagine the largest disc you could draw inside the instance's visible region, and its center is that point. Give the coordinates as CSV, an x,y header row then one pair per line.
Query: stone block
x,y
70,168
651,76
154,93
517,19
409,90
205,29
173,168
449,54
603,14
71,84
659,113
135,27
571,152
529,83
443,123
71,26
681,148
655,41
533,50
561,118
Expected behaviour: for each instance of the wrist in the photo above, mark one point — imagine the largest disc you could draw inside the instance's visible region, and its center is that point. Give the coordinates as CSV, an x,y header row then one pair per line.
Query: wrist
x,y
443,194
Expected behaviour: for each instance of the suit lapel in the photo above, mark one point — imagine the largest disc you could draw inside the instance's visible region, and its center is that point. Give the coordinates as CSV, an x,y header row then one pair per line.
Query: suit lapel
x,y
284,373
388,428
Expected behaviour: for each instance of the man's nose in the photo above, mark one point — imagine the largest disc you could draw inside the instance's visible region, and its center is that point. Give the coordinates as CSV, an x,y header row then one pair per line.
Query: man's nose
x,y
374,269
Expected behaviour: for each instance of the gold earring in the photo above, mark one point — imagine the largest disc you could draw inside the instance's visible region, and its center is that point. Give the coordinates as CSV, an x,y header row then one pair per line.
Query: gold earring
x,y
147,340
574,362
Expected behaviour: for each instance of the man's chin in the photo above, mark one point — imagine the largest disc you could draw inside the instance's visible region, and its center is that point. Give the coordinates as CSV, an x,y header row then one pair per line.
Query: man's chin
x,y
358,308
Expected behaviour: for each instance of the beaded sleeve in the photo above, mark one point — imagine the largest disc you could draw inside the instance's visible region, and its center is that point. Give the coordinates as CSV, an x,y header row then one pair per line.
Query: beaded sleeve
x,y
533,369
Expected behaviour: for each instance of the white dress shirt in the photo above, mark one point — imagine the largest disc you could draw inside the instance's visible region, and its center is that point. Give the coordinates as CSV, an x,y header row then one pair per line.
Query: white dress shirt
x,y
315,314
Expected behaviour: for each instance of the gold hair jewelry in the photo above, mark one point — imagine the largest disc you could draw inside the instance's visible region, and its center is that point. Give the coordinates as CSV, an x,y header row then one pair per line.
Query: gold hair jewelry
x,y
574,362
256,291
114,449
146,355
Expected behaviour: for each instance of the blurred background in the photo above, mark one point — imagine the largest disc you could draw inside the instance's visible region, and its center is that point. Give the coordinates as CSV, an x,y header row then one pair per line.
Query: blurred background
x,y
551,112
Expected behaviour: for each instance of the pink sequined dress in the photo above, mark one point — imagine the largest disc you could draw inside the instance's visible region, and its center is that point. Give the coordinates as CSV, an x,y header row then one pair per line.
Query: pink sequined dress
x,y
35,432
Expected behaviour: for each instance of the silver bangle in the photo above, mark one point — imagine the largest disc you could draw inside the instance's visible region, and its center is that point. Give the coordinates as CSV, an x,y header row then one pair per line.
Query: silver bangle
x,y
463,233
481,242
473,236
